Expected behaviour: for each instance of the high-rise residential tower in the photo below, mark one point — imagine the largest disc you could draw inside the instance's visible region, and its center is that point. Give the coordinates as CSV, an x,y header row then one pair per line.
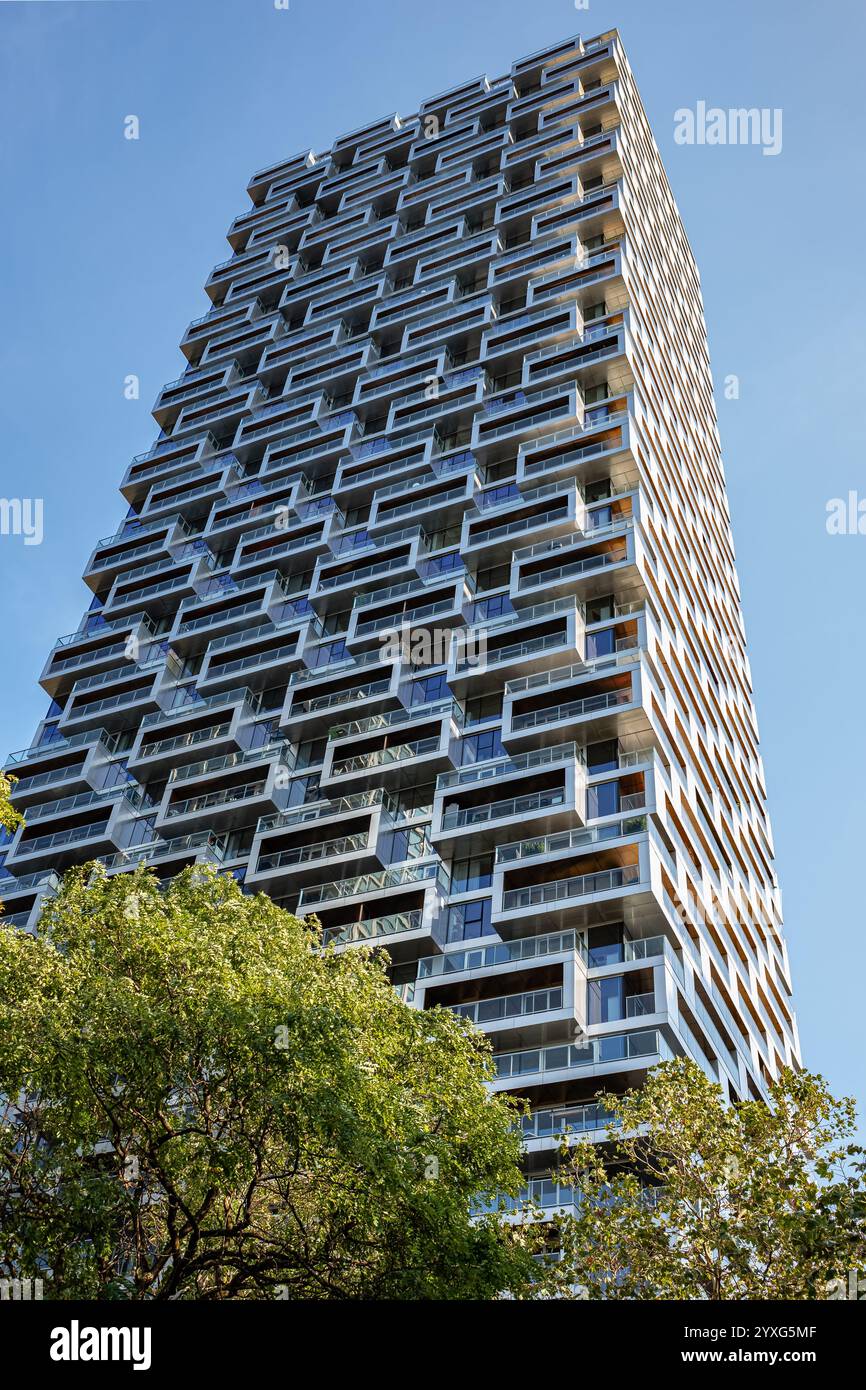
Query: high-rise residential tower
x,y
424,615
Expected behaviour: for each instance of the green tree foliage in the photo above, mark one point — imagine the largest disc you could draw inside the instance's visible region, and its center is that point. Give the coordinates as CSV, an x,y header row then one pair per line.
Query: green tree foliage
x,y
211,1106
10,819
748,1202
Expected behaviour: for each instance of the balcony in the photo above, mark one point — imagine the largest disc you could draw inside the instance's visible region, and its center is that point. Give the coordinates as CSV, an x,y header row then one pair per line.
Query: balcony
x,y
509,1008
611,1053
610,709
551,899
545,789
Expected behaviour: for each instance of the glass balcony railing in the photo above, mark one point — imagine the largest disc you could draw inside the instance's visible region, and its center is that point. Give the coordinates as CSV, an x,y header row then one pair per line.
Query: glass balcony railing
x,y
319,810
338,698
372,928
518,651
310,854
568,1119
509,1006
400,876
564,889
226,796
507,767
415,714
190,740
546,845
77,835
501,953
202,845
573,709
574,567
511,808
382,757
281,752
610,1047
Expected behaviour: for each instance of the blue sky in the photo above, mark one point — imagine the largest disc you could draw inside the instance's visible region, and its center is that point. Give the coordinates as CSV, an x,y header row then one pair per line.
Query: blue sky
x,y
106,243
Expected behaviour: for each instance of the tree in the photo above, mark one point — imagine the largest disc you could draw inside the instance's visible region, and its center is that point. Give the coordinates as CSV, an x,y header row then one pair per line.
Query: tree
x,y
10,819
212,1106
697,1199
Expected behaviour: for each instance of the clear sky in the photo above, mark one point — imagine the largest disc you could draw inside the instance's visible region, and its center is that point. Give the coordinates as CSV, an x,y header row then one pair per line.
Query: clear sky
x,y
107,241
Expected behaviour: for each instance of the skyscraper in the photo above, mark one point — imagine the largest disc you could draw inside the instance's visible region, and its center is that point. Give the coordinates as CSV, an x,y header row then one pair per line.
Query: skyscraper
x,y
424,615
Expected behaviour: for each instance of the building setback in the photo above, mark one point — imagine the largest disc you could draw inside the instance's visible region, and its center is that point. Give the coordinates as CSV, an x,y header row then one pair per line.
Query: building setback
x,y
424,616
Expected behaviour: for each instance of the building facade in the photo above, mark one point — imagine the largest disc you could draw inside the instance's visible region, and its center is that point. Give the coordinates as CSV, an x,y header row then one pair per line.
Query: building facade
x,y
424,615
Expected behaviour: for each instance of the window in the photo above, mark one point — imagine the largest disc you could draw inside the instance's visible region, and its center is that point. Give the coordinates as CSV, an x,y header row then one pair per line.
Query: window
x,y
468,920
469,874
496,577
444,564
428,689
606,1000
603,799
406,844
497,606
477,748
599,643
481,708
603,757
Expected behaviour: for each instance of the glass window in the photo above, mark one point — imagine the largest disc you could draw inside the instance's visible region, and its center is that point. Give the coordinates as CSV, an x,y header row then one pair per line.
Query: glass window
x,y
477,748
429,688
603,799
467,920
476,872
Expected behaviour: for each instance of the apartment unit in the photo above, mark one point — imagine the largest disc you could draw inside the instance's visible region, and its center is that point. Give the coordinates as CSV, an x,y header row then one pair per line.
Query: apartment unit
x,y
424,615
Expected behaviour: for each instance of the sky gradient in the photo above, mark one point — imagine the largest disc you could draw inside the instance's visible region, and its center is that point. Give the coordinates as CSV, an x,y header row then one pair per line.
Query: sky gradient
x,y
106,243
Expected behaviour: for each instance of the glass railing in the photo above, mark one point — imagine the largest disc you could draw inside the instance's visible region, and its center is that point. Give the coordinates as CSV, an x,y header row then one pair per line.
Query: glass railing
x,y
373,927
395,621
562,890
47,779
496,810
183,701
281,751
507,767
507,1006
415,714
569,839
73,803
611,1047
59,745
381,880
338,699
517,651
169,745
647,947
592,562
437,499
75,836
202,844
247,663
309,854
558,675
380,757
501,953
574,709
318,810
225,797
128,697
574,1119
